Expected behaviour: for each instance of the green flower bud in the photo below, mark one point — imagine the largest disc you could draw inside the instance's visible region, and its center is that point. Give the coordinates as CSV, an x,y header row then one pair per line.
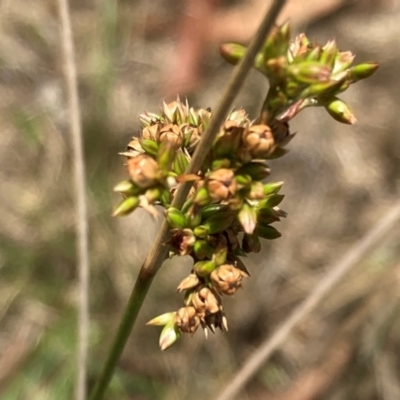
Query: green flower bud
x,y
169,335
162,319
218,222
127,187
202,249
232,52
322,89
251,243
309,72
149,146
220,254
362,71
180,163
256,170
175,218
166,155
202,197
248,218
271,201
166,198
204,268
221,163
272,188
152,194
193,219
267,232
212,209
243,180
201,231
340,111
126,206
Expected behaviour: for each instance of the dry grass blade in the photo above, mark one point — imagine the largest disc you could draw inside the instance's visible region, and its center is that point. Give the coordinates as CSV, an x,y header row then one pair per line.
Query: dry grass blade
x,y
336,272
80,195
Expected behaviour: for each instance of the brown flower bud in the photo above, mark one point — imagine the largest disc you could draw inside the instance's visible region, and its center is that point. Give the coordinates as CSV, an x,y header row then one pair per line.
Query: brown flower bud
x,y
143,170
182,241
189,282
134,148
227,279
187,320
151,132
172,134
222,184
206,301
259,141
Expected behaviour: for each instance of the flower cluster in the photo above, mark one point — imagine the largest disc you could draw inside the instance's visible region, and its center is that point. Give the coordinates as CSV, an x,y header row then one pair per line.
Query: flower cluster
x,y
230,207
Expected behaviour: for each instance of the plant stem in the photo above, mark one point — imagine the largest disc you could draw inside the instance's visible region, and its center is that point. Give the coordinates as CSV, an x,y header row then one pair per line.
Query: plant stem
x,y
80,197
159,251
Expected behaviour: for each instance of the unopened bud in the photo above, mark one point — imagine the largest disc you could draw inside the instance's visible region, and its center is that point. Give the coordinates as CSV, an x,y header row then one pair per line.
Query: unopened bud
x,y
190,282
271,201
272,188
169,335
204,268
362,71
309,72
232,52
127,187
202,249
340,111
162,319
149,146
219,222
248,218
126,206
175,218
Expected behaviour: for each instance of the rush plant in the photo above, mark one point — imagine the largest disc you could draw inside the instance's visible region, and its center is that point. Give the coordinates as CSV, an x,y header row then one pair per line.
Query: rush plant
x,y
230,208
210,174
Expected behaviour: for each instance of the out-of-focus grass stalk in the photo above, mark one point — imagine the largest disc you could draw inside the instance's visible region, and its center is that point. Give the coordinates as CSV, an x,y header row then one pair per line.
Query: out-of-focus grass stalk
x,y
80,196
158,252
335,273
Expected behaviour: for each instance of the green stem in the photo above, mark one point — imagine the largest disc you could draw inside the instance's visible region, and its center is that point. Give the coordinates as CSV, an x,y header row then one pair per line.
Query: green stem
x,y
159,251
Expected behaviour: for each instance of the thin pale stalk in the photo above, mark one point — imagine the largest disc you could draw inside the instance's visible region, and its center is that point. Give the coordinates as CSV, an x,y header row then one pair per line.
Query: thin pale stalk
x,y
80,197
337,271
159,251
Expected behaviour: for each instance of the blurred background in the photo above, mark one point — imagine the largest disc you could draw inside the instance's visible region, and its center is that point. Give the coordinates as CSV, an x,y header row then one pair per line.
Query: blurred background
x,y
339,181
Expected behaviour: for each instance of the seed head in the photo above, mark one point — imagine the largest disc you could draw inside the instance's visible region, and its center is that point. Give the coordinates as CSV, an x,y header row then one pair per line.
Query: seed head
x,y
222,184
187,320
227,279
206,301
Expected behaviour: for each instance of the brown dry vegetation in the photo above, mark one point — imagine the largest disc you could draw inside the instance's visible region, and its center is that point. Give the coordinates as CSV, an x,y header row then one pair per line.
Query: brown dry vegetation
x,y
339,181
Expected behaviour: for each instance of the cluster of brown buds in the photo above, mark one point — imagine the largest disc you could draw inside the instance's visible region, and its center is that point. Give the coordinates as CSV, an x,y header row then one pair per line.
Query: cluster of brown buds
x,y
230,207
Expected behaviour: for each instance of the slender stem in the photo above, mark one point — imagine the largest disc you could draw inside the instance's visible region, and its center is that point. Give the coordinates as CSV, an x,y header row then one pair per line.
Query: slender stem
x,y
159,251
80,197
